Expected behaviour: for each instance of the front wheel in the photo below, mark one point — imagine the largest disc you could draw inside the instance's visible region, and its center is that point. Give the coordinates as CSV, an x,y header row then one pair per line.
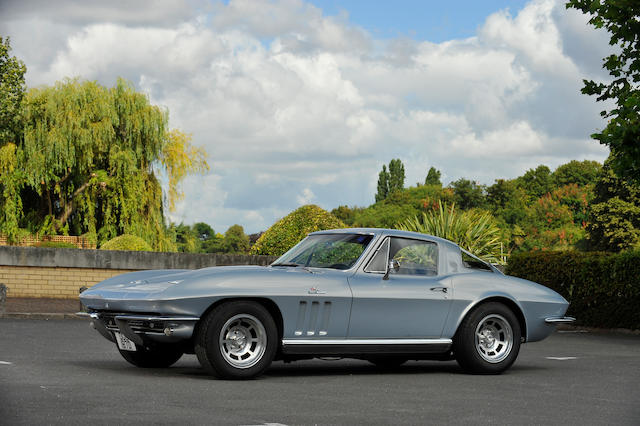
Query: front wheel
x,y
155,357
488,339
237,340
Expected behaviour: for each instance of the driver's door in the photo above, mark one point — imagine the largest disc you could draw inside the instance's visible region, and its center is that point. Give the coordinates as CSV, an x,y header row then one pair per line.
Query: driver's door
x,y
410,302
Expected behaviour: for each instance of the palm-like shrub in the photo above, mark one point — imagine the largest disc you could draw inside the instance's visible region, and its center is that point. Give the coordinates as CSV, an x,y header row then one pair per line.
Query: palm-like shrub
x,y
289,230
475,230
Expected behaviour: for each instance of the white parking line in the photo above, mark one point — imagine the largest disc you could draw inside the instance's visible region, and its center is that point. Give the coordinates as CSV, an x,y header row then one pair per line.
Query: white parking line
x,y
561,358
5,363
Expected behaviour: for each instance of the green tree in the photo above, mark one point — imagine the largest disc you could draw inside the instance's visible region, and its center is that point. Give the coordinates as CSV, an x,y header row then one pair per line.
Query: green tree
x,y
622,133
396,175
433,177
390,181
577,172
468,194
383,184
186,238
346,214
536,182
615,213
235,240
476,231
88,162
12,89
203,231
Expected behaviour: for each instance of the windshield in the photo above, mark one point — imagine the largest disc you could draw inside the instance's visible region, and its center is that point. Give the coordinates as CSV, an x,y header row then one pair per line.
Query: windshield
x,y
336,251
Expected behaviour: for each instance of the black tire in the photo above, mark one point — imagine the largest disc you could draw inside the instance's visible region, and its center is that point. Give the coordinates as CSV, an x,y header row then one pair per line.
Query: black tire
x,y
156,357
237,340
497,349
387,362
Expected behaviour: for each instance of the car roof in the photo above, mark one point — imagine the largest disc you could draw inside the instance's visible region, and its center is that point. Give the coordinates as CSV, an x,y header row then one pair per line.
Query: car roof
x,y
382,231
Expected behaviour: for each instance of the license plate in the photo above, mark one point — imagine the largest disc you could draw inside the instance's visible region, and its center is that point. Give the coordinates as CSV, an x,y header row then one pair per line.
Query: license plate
x,y
124,343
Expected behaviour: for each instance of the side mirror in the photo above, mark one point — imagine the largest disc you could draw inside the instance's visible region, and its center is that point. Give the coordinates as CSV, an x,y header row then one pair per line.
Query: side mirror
x,y
393,264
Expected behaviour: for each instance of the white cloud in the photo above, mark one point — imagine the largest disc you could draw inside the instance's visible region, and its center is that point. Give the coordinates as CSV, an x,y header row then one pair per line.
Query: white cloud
x,y
295,106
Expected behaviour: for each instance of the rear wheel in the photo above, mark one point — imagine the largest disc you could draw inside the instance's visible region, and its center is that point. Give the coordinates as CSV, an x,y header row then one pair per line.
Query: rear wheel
x,y
488,339
237,340
156,357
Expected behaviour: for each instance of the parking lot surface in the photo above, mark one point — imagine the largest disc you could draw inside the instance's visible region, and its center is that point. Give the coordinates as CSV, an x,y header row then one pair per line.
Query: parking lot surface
x,y
63,372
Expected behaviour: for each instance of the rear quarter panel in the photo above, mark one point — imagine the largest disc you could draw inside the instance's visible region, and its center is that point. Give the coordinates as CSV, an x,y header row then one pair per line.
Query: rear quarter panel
x,y
535,301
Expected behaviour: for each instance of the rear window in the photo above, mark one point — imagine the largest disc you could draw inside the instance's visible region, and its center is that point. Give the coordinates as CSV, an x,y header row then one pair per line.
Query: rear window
x,y
472,262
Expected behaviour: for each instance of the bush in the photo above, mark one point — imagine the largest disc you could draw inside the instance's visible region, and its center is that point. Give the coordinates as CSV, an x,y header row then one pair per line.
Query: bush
x,y
55,244
603,288
289,230
126,242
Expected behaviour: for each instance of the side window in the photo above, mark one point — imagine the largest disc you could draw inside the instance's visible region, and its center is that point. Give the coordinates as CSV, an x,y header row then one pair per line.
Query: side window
x,y
378,263
472,262
415,257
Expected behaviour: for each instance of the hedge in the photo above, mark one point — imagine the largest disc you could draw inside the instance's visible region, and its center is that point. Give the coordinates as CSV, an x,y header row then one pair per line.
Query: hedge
x,y
603,288
126,242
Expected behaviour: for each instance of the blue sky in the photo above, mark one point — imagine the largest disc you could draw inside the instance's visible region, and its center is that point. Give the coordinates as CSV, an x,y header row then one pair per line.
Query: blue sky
x,y
303,102
435,21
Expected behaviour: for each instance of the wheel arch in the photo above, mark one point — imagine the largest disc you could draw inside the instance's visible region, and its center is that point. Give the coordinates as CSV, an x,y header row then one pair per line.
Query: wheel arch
x,y
510,303
267,303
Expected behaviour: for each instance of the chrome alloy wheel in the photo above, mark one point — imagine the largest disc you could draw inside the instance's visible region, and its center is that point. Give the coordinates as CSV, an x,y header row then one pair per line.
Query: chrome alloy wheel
x,y
243,340
494,338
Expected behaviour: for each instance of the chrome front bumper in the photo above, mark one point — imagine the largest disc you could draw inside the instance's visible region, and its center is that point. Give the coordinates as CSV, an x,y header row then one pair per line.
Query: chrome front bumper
x,y
139,328
559,320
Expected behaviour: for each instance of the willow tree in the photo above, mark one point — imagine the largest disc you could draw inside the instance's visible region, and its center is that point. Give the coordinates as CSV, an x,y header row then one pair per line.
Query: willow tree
x,y
90,157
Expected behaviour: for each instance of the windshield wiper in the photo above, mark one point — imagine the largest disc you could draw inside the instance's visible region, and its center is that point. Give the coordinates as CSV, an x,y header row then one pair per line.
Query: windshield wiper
x,y
286,264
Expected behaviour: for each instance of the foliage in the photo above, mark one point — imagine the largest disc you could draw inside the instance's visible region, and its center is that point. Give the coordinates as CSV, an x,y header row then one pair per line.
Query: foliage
x,y
126,242
615,213
577,172
346,214
622,133
602,288
235,240
55,244
468,194
507,201
536,182
400,205
12,88
383,184
433,177
88,163
474,230
391,181
204,231
289,230
185,237
179,158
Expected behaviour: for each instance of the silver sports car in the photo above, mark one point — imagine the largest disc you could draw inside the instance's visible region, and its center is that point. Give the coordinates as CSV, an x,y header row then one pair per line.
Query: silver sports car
x,y
382,295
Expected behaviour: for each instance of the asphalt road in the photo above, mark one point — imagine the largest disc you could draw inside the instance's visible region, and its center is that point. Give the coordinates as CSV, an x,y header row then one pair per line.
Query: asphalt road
x,y
63,372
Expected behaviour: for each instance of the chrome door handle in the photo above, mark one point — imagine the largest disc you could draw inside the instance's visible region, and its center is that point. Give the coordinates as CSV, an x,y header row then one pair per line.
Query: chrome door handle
x,y
442,289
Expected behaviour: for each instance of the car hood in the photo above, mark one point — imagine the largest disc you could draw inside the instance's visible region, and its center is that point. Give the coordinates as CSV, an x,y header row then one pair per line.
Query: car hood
x,y
153,283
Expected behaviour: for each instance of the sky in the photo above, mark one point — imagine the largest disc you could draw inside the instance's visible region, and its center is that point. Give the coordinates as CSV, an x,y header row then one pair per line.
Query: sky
x,y
302,102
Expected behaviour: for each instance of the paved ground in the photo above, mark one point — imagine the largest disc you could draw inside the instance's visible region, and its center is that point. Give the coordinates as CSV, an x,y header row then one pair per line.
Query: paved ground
x,y
63,372
41,305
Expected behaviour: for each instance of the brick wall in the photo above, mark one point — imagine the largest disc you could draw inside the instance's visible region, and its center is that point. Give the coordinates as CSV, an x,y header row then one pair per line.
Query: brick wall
x,y
51,282
59,273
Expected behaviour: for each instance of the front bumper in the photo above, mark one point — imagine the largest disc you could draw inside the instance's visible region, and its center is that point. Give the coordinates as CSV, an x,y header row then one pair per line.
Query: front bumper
x,y
142,328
